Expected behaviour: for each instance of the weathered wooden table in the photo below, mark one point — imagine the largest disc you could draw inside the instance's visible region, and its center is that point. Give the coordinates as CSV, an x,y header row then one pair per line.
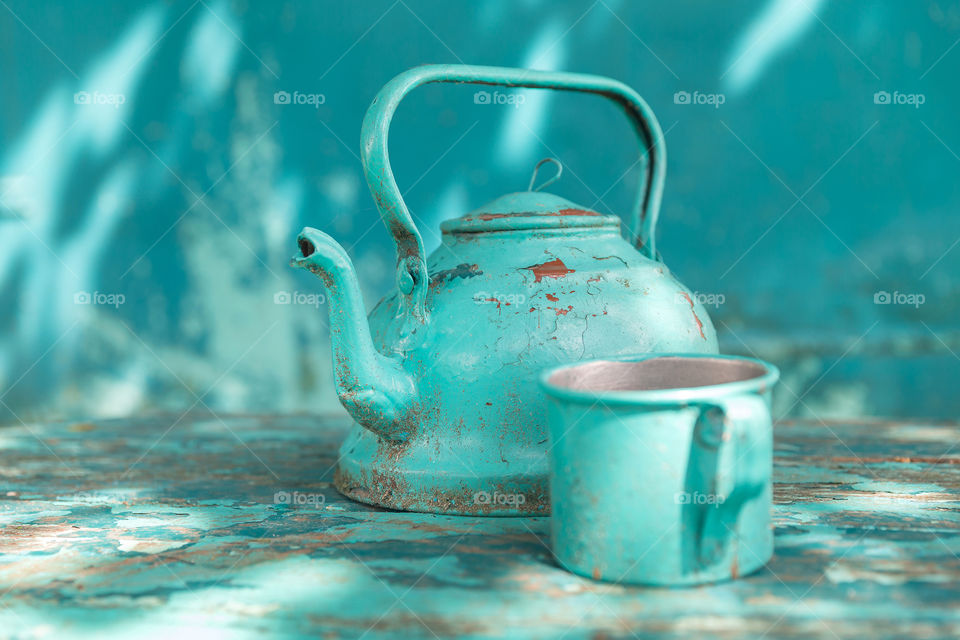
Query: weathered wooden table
x,y
230,527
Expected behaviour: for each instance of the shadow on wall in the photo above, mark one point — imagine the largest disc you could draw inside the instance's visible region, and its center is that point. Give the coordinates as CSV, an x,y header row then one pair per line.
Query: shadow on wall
x,y
148,232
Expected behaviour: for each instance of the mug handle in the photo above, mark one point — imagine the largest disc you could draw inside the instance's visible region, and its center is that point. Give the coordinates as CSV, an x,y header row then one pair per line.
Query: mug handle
x,y
412,276
733,438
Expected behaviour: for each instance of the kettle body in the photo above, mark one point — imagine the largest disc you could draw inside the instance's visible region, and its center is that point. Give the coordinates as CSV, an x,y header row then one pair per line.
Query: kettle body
x,y
442,377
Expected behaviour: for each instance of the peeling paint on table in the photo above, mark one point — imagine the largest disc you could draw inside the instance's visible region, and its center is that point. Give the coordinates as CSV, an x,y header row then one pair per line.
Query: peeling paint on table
x,y
231,526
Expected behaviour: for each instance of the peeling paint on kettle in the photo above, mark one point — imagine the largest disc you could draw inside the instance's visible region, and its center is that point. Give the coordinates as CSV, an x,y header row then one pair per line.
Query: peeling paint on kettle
x,y
694,312
552,269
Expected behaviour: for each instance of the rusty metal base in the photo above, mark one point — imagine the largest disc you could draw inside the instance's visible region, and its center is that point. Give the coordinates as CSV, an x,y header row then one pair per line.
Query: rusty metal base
x,y
432,477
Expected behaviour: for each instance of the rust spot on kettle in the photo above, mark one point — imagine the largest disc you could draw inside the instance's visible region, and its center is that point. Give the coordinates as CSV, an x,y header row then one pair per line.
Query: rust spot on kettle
x,y
552,269
523,214
552,298
389,489
497,300
576,212
694,312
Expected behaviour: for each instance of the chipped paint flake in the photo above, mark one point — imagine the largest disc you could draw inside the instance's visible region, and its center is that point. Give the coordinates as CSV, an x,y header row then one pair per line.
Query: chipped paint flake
x,y
695,316
551,269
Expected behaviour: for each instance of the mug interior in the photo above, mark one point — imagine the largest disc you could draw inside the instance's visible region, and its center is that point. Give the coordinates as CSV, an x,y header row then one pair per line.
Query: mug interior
x,y
656,374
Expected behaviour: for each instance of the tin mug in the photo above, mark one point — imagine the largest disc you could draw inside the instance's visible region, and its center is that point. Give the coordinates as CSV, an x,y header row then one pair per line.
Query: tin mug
x,y
660,467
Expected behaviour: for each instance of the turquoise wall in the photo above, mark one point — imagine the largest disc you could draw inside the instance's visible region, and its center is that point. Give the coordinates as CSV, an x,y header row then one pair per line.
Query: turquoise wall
x,y
152,181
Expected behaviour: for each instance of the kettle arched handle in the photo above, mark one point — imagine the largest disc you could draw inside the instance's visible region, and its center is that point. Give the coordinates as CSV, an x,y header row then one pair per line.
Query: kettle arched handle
x,y
412,277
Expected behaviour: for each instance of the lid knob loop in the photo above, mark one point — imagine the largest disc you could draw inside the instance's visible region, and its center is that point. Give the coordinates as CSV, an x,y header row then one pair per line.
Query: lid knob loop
x,y
536,169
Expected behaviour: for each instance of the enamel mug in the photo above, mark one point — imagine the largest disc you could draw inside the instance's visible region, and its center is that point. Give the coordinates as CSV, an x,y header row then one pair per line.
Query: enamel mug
x,y
660,467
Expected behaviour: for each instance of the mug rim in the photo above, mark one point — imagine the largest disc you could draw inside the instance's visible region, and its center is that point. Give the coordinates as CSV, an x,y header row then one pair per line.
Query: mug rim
x,y
677,395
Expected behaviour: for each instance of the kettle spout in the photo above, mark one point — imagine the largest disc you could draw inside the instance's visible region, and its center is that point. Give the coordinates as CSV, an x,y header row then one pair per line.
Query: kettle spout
x,y
375,389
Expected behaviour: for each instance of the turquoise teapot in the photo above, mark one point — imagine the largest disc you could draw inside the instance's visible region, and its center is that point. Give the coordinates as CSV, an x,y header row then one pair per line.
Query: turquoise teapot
x,y
441,378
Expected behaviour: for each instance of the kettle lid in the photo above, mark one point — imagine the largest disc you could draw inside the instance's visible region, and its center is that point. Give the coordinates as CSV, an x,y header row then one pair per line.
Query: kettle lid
x,y
528,210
